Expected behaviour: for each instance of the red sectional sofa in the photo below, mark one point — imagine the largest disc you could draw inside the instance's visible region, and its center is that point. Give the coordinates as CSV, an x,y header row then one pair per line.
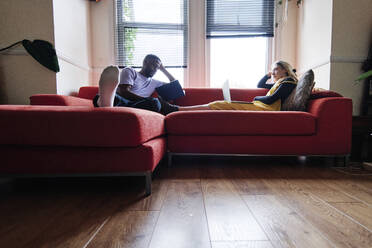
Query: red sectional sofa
x,y
71,137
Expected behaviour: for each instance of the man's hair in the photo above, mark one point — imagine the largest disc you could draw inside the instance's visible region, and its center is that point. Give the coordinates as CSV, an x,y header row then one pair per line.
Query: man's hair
x,y
151,58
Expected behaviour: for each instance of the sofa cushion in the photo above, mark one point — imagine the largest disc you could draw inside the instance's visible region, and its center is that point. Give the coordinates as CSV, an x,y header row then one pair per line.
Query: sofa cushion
x,y
78,126
59,100
297,100
240,123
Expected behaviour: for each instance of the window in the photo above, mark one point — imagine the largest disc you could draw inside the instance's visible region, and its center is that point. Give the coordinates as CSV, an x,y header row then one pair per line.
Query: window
x,y
243,61
153,26
238,32
230,40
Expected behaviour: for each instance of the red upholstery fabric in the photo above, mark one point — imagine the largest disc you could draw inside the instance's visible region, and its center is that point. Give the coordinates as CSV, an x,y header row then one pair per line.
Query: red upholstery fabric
x,y
332,137
240,123
196,96
78,126
59,100
60,160
268,145
334,123
325,93
88,92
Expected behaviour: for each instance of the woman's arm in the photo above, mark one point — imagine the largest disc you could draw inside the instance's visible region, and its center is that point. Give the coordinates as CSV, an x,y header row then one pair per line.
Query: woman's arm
x,y
283,91
262,83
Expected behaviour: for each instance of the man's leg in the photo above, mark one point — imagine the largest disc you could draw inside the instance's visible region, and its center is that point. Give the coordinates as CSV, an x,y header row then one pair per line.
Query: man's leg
x,y
108,83
166,107
149,103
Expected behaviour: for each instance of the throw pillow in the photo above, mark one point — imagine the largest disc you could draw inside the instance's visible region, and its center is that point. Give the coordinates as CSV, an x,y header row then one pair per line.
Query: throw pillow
x,y
297,100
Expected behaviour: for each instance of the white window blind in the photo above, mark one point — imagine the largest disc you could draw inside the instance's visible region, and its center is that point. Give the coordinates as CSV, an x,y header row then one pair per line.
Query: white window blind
x,y
240,18
152,27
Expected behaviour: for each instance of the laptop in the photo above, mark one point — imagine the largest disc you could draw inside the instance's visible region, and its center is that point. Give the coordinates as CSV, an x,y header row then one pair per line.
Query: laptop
x,y
227,95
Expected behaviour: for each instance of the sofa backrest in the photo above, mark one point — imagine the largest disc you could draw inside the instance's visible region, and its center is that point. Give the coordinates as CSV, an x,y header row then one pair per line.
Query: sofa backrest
x,y
88,92
195,96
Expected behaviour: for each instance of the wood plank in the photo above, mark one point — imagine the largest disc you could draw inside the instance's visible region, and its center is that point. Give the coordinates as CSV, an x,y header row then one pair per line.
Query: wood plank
x,y
307,180
154,202
243,181
229,219
360,212
182,221
352,189
242,244
283,226
25,218
126,229
75,226
335,226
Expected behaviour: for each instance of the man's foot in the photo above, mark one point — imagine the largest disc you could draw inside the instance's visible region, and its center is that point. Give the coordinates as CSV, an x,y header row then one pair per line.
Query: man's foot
x,y
108,83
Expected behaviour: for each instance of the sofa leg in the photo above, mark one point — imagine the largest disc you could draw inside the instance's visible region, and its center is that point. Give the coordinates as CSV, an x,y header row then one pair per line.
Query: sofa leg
x,y
169,159
148,183
346,161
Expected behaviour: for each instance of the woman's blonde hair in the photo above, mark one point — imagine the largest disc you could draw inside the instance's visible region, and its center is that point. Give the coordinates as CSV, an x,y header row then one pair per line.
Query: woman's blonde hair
x,y
286,66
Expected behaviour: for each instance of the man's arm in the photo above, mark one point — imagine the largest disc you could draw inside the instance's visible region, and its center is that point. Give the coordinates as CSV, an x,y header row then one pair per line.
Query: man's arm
x,y
124,91
166,73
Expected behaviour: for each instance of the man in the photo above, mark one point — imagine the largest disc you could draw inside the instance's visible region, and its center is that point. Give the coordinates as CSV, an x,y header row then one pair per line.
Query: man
x,y
135,88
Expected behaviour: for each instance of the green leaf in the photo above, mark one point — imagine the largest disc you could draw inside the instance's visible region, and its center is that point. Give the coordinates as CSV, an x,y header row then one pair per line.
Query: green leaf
x,y
364,75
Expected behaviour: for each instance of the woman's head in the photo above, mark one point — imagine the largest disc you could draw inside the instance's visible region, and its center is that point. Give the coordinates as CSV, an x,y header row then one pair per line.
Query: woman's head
x,y
282,69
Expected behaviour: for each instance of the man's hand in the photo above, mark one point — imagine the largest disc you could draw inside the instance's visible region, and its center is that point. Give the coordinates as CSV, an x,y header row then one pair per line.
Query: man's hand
x,y
161,67
166,73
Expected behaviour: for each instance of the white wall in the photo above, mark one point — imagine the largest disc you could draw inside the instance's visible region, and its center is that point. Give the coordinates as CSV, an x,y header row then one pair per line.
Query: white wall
x,y
102,23
72,42
351,37
314,34
333,40
20,75
285,40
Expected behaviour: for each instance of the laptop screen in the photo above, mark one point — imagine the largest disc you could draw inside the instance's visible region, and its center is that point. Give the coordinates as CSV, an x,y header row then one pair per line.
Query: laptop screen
x,y
226,91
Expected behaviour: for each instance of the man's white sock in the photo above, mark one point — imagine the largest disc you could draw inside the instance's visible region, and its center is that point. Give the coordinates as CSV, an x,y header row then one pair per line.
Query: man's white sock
x,y
108,83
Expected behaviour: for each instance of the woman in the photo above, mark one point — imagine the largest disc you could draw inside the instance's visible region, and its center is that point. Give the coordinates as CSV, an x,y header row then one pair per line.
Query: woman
x,y
285,81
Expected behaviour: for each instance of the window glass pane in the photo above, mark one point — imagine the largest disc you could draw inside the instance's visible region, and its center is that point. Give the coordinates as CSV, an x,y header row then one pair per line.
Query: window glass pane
x,y
168,45
157,27
240,60
177,73
243,18
153,11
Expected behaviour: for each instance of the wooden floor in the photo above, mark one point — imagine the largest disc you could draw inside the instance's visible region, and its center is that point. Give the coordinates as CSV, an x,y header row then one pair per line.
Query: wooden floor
x,y
253,202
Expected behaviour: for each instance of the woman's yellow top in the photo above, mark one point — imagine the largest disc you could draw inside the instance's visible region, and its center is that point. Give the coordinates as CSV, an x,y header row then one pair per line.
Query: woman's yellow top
x,y
255,105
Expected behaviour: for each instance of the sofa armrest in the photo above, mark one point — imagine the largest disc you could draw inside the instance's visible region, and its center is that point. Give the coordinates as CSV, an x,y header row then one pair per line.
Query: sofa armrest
x,y
334,119
59,100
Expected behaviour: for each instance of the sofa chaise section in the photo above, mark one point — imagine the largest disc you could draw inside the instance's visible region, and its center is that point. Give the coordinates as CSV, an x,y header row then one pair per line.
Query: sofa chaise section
x,y
79,140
